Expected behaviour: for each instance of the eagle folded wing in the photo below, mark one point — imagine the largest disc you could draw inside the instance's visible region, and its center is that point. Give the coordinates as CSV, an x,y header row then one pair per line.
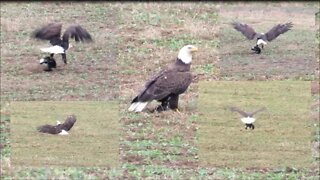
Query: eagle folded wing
x,y
167,82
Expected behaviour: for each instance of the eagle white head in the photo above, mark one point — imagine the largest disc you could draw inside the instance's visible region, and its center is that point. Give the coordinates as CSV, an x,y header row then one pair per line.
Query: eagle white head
x,y
185,53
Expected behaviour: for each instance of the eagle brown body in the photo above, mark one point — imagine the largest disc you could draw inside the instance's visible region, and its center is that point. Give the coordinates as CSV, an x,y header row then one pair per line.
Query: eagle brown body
x,y
165,87
57,129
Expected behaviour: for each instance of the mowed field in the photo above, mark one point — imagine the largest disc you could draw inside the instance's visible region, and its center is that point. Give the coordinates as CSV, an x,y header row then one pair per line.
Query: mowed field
x,y
93,141
133,41
281,137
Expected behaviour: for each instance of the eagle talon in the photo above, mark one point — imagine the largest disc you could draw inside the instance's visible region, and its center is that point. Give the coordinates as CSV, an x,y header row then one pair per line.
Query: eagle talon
x,y
160,108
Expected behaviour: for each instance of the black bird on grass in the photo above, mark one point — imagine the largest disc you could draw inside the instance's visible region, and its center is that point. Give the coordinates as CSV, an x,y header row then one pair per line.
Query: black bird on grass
x,y
247,119
261,38
60,129
49,61
52,32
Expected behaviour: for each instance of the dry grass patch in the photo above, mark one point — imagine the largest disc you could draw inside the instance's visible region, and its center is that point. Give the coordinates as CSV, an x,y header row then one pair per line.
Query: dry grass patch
x,y
91,73
290,56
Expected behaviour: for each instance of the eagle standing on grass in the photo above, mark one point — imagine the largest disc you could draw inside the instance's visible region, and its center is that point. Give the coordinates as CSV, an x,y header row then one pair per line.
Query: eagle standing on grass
x,y
168,84
52,32
262,38
60,129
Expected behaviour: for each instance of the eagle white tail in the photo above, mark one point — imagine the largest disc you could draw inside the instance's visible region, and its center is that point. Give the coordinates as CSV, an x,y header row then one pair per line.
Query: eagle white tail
x,y
248,120
138,106
260,41
63,132
53,50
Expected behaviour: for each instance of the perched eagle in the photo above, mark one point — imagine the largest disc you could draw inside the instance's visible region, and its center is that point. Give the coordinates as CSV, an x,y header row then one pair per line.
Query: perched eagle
x,y
52,32
49,61
168,84
261,38
60,129
247,119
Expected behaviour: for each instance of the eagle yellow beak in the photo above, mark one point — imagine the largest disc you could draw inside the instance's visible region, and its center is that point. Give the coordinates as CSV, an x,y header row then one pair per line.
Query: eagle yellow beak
x,y
194,49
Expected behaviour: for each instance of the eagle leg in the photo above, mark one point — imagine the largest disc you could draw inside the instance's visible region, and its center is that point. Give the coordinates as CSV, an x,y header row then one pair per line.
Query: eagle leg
x,y
173,102
64,58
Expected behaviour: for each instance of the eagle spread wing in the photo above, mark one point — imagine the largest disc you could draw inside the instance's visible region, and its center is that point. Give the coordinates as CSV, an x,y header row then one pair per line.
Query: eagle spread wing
x,y
244,114
165,83
68,124
78,33
277,30
49,32
245,30
255,112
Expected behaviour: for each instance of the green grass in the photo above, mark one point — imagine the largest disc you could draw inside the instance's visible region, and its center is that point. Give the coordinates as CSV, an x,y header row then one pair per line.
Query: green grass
x,y
132,41
93,141
282,134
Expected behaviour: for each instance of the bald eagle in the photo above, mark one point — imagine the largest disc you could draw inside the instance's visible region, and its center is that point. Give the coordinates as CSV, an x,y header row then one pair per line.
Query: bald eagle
x,y
60,129
261,38
49,61
247,119
168,84
52,32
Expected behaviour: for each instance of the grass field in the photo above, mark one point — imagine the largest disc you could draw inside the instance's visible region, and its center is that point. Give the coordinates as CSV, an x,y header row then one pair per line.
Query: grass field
x,y
132,41
163,145
281,137
93,136
90,65
290,56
